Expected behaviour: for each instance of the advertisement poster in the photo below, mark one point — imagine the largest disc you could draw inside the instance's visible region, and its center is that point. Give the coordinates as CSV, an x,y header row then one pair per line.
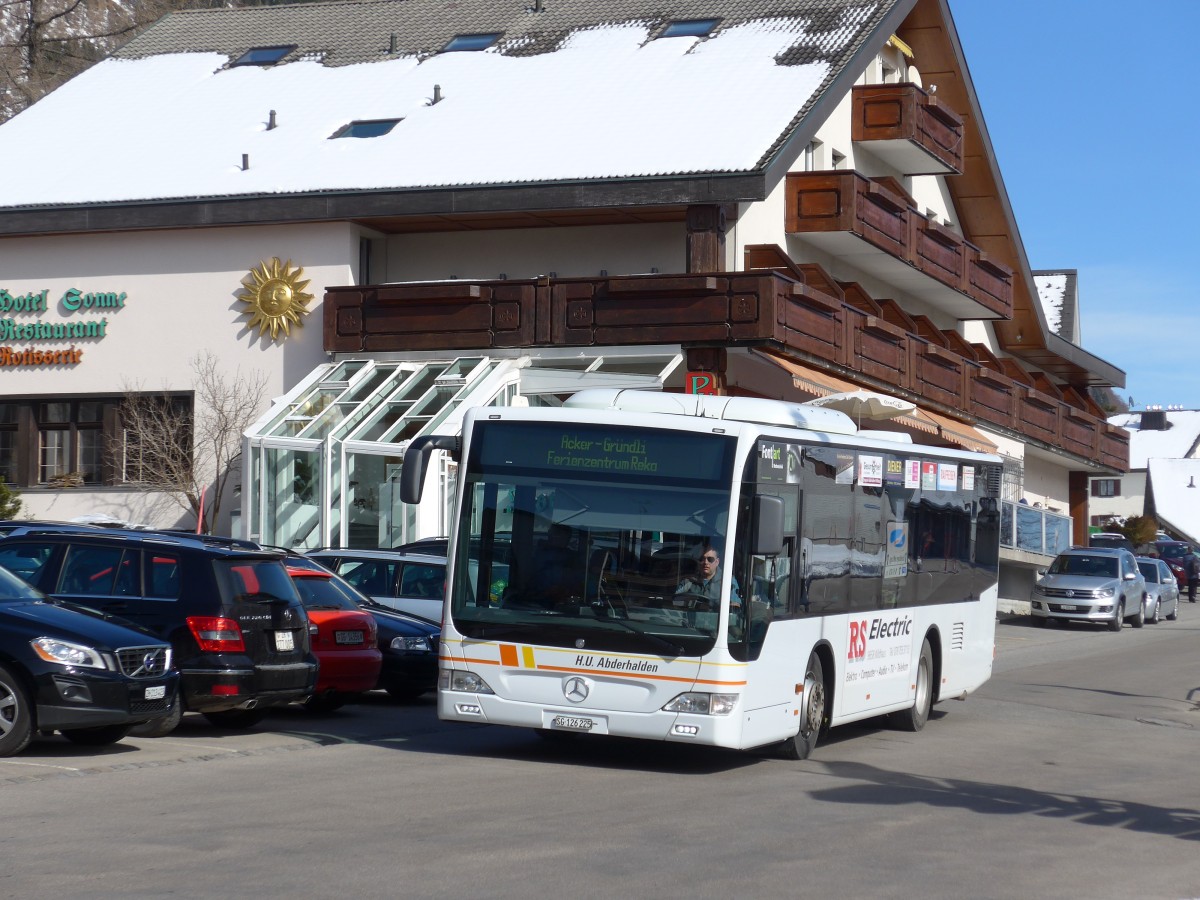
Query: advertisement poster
x,y
912,473
895,561
870,471
845,468
929,476
968,480
893,471
947,476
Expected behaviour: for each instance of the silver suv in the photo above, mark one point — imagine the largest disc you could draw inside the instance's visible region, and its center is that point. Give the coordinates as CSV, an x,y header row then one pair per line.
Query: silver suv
x,y
1091,584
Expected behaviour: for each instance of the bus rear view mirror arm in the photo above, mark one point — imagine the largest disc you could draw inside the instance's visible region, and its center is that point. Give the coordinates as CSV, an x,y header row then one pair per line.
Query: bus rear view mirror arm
x,y
416,462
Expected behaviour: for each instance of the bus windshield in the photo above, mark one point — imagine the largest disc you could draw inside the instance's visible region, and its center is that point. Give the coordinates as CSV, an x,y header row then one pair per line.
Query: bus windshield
x,y
587,536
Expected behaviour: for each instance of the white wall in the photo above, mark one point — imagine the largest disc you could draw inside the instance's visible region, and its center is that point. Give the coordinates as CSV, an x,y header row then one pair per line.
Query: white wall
x,y
181,299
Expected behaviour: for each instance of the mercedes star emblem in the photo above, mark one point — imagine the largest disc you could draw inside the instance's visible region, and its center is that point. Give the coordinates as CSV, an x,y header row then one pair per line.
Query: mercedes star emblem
x,y
575,689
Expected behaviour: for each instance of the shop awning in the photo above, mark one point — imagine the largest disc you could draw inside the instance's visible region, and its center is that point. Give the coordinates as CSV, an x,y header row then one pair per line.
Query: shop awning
x,y
821,384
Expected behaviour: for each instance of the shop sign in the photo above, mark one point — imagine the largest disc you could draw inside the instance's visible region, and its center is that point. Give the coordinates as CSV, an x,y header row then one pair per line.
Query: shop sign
x,y
22,322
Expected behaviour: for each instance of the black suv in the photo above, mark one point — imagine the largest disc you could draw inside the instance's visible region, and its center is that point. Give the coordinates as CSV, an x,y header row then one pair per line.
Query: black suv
x,y
64,670
232,615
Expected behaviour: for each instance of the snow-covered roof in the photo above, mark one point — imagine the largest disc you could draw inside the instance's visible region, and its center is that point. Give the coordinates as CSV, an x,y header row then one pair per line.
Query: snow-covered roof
x,y
1176,487
1178,441
1058,293
579,91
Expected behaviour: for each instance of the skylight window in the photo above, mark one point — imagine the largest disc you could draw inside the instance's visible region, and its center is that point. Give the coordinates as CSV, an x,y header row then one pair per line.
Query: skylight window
x,y
366,128
471,42
263,56
690,28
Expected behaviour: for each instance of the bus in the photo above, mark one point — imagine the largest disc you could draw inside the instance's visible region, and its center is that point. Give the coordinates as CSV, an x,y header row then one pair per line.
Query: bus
x,y
726,571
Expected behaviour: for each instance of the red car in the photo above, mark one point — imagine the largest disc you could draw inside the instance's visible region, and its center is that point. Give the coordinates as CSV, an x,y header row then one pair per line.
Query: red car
x,y
344,640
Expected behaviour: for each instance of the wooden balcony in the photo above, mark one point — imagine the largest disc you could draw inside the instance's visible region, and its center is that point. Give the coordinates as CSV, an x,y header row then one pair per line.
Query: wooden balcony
x,y
907,128
874,227
803,314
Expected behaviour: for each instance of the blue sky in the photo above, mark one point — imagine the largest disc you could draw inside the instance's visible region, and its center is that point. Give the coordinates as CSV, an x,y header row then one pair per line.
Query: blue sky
x,y
1090,105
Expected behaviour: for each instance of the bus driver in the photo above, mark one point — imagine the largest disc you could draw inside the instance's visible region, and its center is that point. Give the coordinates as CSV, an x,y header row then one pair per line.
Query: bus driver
x,y
706,584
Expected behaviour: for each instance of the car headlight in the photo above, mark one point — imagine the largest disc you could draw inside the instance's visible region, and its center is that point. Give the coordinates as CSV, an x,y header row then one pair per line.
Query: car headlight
x,y
68,653
1037,589
1106,592
418,644
703,704
467,682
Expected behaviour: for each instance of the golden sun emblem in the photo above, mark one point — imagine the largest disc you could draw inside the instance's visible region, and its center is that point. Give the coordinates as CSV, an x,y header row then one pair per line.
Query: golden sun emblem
x,y
274,293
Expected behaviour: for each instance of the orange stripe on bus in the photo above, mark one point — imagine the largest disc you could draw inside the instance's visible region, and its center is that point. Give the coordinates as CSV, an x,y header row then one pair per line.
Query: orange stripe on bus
x,y
508,655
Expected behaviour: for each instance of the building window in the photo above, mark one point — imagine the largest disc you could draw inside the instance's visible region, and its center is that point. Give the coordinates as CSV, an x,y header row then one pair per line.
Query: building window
x,y
263,56
71,442
366,128
471,42
8,442
1106,487
690,28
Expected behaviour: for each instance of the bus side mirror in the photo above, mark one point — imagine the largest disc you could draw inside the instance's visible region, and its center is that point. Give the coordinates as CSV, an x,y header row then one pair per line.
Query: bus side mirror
x,y
416,462
767,536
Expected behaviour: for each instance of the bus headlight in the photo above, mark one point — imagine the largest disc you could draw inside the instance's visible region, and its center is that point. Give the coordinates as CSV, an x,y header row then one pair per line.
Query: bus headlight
x,y
467,682
703,704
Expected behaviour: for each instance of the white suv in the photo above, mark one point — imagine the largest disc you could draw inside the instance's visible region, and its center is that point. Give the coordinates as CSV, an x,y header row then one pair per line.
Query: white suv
x,y
1091,584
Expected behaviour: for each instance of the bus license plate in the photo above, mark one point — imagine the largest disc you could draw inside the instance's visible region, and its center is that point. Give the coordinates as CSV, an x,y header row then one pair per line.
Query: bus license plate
x,y
348,637
572,723
284,640
156,693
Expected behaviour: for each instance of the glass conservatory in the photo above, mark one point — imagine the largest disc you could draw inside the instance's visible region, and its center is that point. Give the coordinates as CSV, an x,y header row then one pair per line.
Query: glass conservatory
x,y
322,467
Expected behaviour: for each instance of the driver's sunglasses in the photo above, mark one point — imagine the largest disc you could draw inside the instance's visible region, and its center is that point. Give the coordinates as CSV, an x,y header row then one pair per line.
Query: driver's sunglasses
x,y
710,558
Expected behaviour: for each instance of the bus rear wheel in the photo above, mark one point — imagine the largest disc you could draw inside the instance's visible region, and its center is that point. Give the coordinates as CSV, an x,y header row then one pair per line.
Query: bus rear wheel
x,y
812,713
914,719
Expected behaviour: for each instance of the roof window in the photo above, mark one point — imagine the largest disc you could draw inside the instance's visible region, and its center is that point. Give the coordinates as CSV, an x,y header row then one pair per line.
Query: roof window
x,y
471,42
366,128
690,28
263,56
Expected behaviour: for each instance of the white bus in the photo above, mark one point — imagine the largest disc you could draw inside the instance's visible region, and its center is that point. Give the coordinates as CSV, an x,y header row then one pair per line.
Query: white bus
x,y
855,572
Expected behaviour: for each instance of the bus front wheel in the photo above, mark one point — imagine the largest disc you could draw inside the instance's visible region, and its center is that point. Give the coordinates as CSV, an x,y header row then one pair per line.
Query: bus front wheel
x,y
812,712
914,718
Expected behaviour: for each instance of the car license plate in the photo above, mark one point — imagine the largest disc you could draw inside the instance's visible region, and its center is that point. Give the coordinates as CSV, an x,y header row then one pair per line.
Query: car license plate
x,y
348,637
1066,608
284,640
572,723
156,693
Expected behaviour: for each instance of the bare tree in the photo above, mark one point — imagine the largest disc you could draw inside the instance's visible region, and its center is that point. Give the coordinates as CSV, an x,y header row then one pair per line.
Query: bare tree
x,y
185,451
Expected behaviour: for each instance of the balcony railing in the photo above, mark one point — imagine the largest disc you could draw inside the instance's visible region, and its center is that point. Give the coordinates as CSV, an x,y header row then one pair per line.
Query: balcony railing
x,y
908,128
1033,530
791,314
840,211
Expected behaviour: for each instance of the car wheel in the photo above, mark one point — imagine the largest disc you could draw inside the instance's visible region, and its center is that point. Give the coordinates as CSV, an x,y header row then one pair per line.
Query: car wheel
x,y
1173,615
163,725
813,716
1043,621
100,736
16,715
1140,619
1119,619
1154,615
236,718
914,719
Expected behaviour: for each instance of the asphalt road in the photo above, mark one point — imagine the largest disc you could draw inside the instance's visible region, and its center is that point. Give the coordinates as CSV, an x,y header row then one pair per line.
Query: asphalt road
x,y
1071,774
